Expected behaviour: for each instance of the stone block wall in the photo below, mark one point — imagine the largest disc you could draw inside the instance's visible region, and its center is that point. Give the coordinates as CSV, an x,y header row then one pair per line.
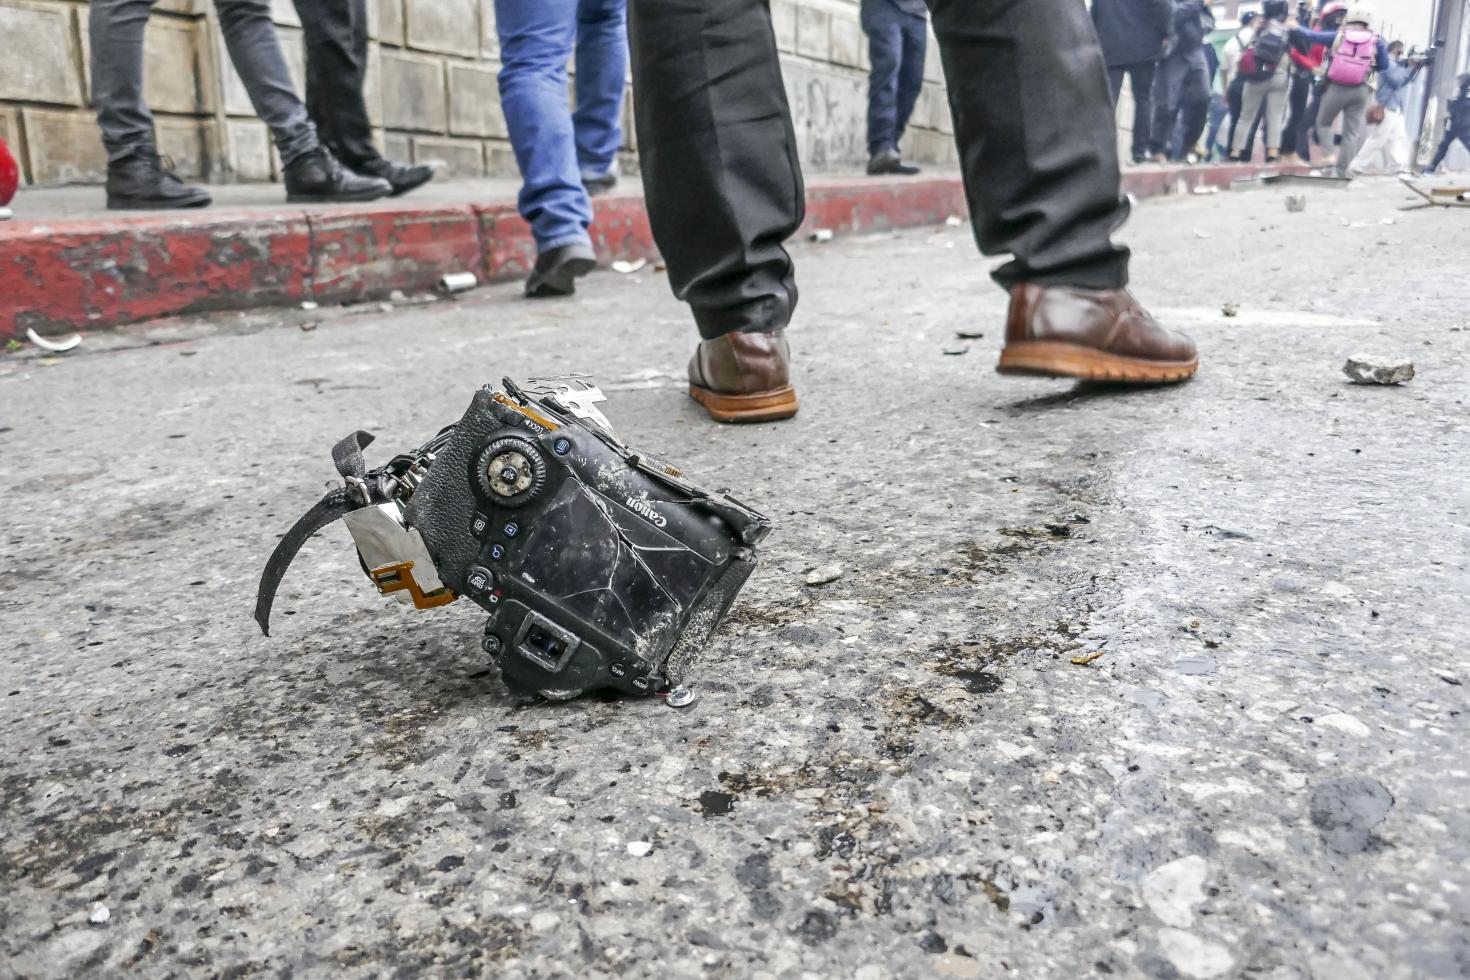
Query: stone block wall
x,y
432,89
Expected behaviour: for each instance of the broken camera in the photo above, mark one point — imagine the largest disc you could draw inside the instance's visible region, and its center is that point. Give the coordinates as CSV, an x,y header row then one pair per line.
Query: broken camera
x,y
599,566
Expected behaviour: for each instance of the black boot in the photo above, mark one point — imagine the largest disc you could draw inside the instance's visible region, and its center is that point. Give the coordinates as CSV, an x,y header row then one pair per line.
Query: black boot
x,y
889,162
317,177
401,177
558,269
142,181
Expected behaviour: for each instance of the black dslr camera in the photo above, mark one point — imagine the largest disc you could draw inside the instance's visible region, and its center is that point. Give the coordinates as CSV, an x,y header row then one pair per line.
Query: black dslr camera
x,y
600,566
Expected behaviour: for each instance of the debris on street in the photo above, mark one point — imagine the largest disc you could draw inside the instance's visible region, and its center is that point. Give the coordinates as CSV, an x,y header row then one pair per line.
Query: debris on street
x,y
1087,658
58,346
457,282
625,267
1368,369
823,574
1230,309
99,915
820,235
1296,203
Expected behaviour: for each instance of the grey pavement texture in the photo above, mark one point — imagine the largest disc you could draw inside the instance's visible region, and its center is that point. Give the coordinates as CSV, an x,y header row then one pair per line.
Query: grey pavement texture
x,y
902,772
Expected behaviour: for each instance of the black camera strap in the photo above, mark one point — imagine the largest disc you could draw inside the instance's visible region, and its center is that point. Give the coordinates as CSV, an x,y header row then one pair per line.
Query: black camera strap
x,y
362,489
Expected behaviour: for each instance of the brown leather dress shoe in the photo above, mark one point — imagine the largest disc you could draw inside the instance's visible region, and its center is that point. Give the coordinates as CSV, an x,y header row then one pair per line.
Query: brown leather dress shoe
x,y
743,377
1095,334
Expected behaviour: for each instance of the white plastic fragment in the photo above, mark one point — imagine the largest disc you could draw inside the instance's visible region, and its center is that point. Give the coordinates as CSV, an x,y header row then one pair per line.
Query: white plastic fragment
x,y
52,345
309,304
954,221
628,267
639,848
6,214
99,915
820,235
457,282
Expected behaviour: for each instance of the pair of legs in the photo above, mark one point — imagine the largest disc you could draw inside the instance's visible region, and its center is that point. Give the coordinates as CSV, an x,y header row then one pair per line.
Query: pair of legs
x,y
558,149
1037,151
137,177
1266,99
1294,135
336,34
1351,103
897,42
1141,77
1444,147
116,29
1181,88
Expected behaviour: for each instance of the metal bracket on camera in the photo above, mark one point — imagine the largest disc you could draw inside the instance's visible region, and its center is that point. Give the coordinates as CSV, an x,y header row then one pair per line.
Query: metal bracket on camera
x,y
574,393
392,552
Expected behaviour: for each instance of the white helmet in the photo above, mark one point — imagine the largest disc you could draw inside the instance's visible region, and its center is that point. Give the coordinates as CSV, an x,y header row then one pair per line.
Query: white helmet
x,y
1361,13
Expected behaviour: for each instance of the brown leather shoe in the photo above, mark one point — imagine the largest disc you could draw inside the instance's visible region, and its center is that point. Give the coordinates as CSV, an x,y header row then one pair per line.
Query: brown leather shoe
x,y
743,377
1096,334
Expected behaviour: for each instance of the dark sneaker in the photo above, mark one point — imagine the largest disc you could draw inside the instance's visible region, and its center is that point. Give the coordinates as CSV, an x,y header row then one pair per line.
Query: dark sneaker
x,y
744,377
557,270
599,185
1093,334
889,162
401,177
317,177
144,181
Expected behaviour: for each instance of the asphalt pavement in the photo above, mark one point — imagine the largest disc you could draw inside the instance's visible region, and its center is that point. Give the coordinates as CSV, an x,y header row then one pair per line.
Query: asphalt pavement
x,y
1163,683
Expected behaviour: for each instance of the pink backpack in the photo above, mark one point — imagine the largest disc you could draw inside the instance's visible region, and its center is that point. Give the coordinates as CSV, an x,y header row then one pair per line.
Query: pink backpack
x,y
1353,57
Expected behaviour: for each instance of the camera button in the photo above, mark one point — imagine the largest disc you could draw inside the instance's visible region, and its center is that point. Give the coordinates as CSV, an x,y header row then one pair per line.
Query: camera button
x,y
479,580
562,446
497,552
512,529
617,670
479,525
641,683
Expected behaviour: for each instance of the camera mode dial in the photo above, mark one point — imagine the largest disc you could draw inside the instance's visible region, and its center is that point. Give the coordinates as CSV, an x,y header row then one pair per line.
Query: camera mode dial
x,y
510,472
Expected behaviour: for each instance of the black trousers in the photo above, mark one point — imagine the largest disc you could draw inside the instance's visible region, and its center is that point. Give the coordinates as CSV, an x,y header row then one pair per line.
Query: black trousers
x,y
336,33
1142,77
1028,92
1181,89
1444,146
1294,136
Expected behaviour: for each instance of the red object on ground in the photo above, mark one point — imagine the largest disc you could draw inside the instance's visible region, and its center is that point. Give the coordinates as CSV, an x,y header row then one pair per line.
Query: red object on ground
x,y
9,175
58,276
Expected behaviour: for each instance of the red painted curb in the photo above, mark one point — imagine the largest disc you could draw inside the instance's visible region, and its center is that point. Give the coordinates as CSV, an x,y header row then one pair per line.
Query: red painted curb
x,y
60,276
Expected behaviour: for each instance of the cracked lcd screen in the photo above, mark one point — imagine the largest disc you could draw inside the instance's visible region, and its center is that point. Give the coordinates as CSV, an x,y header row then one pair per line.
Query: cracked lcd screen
x,y
608,566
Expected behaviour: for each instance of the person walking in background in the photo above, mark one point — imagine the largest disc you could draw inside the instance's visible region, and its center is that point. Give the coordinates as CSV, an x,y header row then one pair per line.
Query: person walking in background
x,y
1134,35
1458,126
1231,81
1354,53
563,155
1182,83
1386,148
336,33
897,42
1264,94
1305,63
137,177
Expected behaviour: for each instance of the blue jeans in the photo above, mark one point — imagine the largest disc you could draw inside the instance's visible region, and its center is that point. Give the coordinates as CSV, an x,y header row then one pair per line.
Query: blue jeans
x,y
896,44
554,147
